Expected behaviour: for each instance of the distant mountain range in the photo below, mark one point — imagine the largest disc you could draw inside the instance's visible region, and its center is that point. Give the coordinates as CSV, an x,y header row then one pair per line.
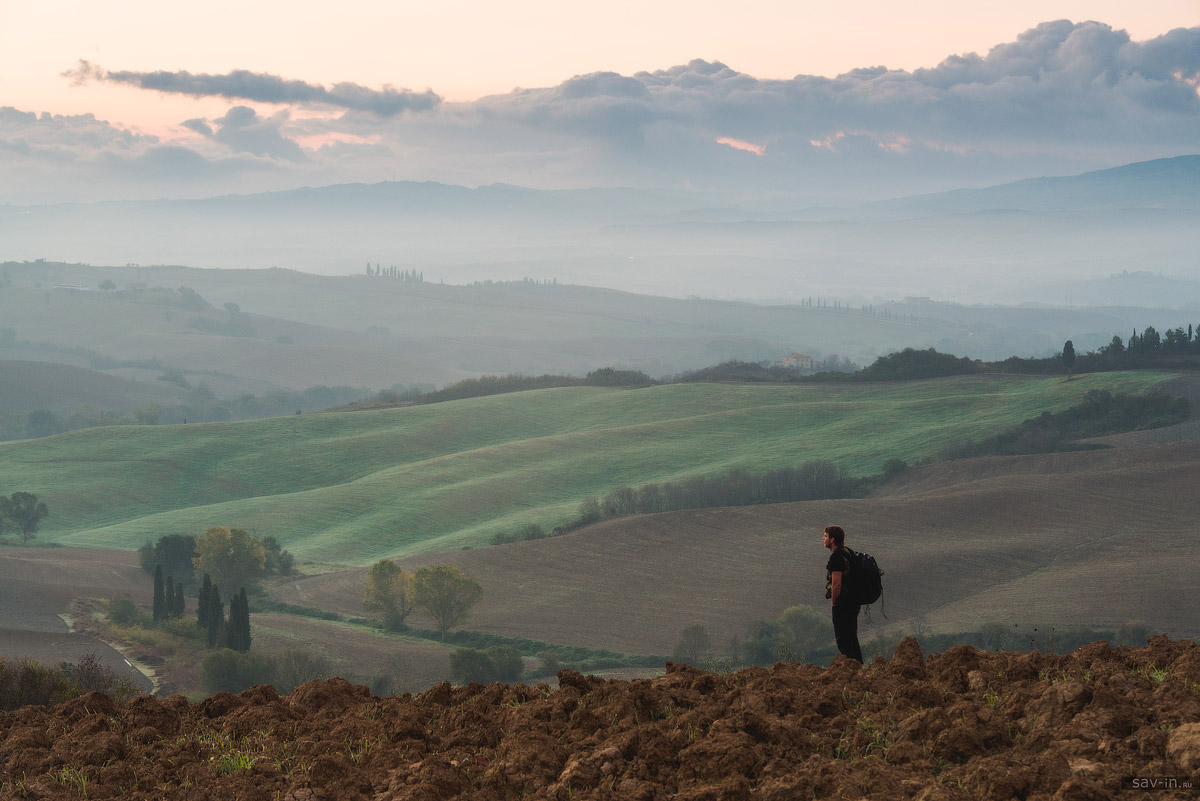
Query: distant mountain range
x,y
1165,184
968,245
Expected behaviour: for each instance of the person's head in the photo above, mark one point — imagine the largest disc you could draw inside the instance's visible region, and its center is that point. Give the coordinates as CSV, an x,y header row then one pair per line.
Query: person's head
x,y
834,537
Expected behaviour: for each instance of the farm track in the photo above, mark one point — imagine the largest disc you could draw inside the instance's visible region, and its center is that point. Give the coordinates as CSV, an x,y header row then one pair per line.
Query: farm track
x,y
37,589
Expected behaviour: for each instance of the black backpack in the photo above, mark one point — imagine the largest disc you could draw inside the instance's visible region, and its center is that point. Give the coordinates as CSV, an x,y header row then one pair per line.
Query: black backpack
x,y
866,579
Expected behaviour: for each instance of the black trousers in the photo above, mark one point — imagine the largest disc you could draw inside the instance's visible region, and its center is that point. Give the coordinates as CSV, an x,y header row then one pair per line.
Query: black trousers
x,y
845,629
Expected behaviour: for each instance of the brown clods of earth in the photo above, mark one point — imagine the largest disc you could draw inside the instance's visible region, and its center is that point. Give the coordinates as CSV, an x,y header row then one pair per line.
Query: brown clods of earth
x,y
1099,723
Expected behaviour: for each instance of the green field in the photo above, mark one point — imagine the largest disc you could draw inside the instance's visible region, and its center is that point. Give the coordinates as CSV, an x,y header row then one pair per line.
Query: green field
x,y
350,488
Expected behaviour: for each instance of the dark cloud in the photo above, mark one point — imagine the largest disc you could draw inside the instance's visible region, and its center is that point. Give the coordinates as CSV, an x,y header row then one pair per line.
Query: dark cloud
x,y
264,88
242,130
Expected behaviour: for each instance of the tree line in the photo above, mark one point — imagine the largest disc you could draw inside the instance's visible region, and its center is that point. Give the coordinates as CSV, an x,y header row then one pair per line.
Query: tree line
x,y
202,407
410,276
1100,413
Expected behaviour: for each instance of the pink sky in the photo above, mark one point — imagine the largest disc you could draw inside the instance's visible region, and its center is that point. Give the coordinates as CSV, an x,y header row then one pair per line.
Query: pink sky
x,y
463,49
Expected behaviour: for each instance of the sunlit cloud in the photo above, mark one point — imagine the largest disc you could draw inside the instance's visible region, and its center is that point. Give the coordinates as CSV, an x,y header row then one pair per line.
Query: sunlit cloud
x,y
738,144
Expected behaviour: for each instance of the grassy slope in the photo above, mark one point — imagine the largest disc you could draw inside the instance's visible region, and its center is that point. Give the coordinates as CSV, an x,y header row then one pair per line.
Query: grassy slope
x,y
351,488
1056,540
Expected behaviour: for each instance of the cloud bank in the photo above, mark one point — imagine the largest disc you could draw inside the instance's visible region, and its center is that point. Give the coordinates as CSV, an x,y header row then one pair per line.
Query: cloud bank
x,y
263,88
1064,97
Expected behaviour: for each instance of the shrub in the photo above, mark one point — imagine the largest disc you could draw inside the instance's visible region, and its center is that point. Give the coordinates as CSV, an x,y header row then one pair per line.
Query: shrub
x,y
88,675
550,663
468,665
507,664
233,671
185,628
28,682
124,612
296,666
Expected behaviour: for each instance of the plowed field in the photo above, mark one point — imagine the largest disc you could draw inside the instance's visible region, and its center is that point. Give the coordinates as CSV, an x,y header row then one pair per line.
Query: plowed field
x,y
1098,723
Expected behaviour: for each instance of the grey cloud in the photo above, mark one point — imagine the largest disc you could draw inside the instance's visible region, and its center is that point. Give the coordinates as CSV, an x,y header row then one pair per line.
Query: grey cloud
x,y
264,88
1060,82
199,126
244,131
55,157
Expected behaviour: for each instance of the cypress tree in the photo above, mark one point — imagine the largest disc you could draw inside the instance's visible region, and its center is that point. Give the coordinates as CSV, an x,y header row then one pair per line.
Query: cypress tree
x,y
204,602
216,615
160,606
233,629
169,599
245,620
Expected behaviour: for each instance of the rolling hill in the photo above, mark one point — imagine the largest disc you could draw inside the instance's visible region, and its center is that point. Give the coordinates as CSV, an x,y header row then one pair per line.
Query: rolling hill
x,y
1081,539
349,488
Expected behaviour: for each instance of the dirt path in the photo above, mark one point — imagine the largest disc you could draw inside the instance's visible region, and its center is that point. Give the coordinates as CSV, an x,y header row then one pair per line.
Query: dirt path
x,y
38,587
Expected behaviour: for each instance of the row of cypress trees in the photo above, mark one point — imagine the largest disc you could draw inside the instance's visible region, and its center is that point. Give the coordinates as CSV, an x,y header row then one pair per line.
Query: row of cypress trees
x,y
233,633
168,597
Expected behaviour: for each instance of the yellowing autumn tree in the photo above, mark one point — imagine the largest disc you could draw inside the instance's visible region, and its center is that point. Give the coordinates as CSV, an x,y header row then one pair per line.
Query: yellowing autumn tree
x,y
446,593
390,592
231,556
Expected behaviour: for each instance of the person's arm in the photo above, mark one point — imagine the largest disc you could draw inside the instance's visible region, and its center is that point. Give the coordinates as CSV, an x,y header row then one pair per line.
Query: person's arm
x,y
835,584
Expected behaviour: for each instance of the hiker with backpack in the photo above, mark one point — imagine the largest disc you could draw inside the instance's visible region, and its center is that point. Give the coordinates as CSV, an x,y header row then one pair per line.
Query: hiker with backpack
x,y
840,592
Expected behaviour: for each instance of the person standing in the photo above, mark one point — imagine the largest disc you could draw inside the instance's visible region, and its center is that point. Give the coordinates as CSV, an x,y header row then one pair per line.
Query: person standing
x,y
845,609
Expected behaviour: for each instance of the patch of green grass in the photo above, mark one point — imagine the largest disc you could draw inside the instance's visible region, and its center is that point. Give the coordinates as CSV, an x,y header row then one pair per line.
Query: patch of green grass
x,y
352,488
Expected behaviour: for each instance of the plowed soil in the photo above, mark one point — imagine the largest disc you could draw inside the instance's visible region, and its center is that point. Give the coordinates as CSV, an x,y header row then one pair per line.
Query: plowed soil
x,y
964,724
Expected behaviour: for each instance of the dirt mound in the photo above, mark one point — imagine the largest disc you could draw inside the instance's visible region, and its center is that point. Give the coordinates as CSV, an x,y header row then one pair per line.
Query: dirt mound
x,y
963,724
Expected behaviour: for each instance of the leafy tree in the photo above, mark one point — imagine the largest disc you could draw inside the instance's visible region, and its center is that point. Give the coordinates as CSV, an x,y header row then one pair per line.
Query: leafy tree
x,y
694,644
43,423
230,555
107,285
390,592
1176,339
23,509
1068,356
175,553
190,299
278,560
446,593
1116,347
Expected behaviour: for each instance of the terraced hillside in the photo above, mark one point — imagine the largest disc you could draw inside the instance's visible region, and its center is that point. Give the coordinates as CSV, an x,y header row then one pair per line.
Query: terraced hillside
x,y
351,488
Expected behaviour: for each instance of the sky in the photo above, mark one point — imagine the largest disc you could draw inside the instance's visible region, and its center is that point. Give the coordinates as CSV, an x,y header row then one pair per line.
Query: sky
x,y
139,98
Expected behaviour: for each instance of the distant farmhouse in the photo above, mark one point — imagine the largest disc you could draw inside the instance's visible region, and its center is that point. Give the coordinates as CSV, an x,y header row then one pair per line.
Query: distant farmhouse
x,y
71,288
798,361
